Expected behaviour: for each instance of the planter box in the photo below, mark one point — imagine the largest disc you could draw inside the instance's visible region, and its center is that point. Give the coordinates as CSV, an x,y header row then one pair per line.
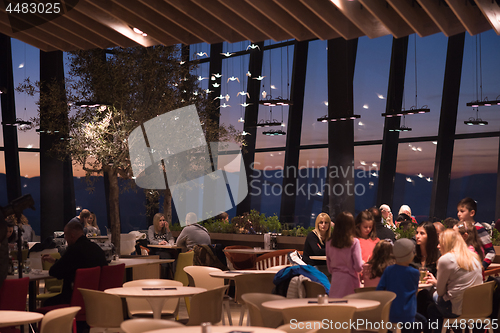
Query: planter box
x,y
497,257
284,242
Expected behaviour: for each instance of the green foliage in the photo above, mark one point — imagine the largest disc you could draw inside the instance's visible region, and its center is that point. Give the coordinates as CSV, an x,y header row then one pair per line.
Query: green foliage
x,y
495,237
270,224
219,226
406,232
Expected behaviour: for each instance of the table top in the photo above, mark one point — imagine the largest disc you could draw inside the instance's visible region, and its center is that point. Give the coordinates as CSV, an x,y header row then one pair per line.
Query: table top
x,y
317,257
249,251
132,262
14,318
34,276
146,291
232,274
360,304
166,246
219,329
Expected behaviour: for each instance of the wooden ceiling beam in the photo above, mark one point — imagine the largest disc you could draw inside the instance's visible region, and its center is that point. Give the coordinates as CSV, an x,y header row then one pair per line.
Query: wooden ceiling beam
x,y
470,16
333,17
491,11
256,19
442,16
308,19
6,29
113,22
415,17
166,27
388,17
209,20
132,20
233,20
171,13
281,18
362,18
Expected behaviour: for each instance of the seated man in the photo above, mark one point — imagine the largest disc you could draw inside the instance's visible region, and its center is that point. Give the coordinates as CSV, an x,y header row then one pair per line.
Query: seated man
x,y
80,253
192,234
82,218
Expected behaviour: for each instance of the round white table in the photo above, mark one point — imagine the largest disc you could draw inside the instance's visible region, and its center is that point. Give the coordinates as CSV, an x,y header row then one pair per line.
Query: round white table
x,y
249,251
218,329
232,274
15,318
317,257
155,295
166,246
360,304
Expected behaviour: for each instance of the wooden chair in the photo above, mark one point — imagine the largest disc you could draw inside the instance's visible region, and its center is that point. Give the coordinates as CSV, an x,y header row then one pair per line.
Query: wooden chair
x,y
340,313
302,327
378,315
260,316
477,305
183,260
252,283
146,324
102,310
59,320
53,286
313,289
207,307
275,258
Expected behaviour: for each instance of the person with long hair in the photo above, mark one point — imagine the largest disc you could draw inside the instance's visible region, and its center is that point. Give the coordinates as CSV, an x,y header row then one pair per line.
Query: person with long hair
x,y
365,232
381,258
427,251
458,269
343,257
469,233
159,233
316,240
91,228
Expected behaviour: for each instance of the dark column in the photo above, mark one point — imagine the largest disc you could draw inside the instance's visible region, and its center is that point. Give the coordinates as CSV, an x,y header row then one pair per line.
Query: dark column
x,y
57,197
447,125
341,62
251,117
11,151
389,157
294,129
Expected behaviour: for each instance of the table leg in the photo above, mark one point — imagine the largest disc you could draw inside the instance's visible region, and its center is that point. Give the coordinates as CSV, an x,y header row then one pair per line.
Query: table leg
x,y
156,304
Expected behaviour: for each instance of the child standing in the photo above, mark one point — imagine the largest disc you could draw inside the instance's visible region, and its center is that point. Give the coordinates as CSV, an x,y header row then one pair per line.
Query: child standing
x,y
343,257
366,234
402,279
381,258
466,210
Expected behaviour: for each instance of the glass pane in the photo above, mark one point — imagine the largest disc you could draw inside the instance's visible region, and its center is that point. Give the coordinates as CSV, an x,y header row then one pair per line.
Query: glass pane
x,y
266,185
474,174
480,64
199,51
371,76
366,162
236,47
414,172
430,59
29,163
3,181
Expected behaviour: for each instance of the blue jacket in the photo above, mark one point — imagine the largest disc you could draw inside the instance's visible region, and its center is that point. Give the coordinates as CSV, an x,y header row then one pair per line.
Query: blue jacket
x,y
309,271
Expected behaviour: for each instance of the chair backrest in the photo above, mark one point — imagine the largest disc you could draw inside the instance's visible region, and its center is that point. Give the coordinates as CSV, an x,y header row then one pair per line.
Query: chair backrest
x,y
201,313
59,320
302,327
379,314
201,277
240,260
140,306
253,283
111,276
313,289
145,324
13,294
275,258
102,310
478,301
336,314
183,260
87,278
52,284
260,316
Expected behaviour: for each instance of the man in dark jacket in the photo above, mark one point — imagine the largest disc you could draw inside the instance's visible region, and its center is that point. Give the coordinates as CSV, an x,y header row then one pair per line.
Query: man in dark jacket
x,y
80,253
382,231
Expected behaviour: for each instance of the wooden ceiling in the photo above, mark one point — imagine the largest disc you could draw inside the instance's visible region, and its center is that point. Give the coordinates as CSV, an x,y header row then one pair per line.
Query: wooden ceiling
x,y
107,23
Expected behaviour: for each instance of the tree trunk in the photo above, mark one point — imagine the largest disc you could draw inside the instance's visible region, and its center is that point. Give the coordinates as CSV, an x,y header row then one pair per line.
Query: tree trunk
x,y
167,205
114,207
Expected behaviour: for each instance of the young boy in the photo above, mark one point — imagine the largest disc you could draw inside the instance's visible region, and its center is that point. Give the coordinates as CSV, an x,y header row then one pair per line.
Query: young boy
x,y
402,279
466,210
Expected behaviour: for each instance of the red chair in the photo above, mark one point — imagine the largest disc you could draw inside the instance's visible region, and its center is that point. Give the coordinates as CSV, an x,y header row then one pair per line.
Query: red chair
x,y
13,295
87,278
111,276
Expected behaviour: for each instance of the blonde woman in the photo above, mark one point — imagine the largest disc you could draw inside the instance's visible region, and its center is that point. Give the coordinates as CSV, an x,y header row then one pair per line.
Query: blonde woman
x,y
159,233
316,240
91,228
458,269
